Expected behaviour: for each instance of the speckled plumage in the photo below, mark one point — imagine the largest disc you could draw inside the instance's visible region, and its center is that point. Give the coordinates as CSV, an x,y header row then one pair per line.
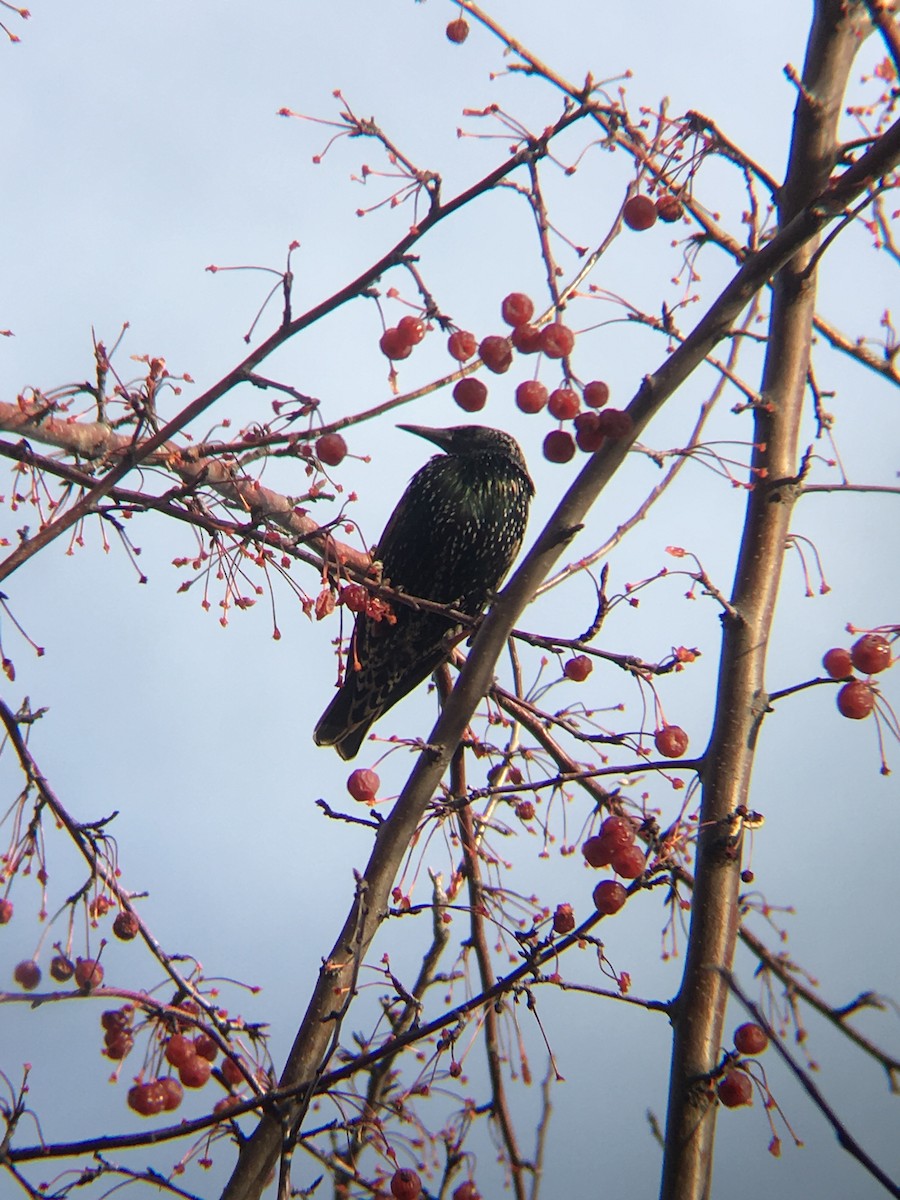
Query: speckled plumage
x,y
452,538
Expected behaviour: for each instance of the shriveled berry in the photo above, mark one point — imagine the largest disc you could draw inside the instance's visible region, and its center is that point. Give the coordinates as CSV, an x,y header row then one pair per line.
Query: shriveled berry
x,y
639,212
526,339
470,394
363,784
671,741
531,396
195,1071
563,404
88,974
125,926
496,353
735,1089
411,329
524,810
598,851
226,1105
118,1044
578,668
855,700
394,345
27,974
588,434
871,654
406,1184
557,340
114,1020
596,393
232,1072
628,861
355,597
466,1191
563,919
669,208
457,31
6,911
461,344
837,662
609,896
331,449
750,1038
614,423
147,1099
559,446
517,309
61,968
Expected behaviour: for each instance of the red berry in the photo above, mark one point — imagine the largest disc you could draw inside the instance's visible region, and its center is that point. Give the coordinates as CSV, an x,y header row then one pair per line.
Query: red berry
x,y
668,208
639,212
226,1105
125,926
671,741
557,340
517,309
855,700
173,1093
526,339
559,446
411,329
363,784
735,1089
628,861
617,831
578,668
88,973
148,1099
466,1191
61,968
6,911
470,394
531,396
750,1039
563,920
195,1071
406,1184
588,435
598,851
614,423
118,1044
563,404
496,353
27,974
394,344
461,345
232,1072
114,1020
457,31
609,896
179,1050
871,654
747,876
525,810
837,662
331,449
596,393
206,1047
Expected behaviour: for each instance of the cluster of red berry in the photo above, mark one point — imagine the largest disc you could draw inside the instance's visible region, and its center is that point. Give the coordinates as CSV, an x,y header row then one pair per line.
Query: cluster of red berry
x,y
640,212
87,972
192,1058
871,654
735,1088
614,846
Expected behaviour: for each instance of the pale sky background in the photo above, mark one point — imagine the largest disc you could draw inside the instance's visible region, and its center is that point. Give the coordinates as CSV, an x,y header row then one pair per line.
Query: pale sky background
x,y
141,143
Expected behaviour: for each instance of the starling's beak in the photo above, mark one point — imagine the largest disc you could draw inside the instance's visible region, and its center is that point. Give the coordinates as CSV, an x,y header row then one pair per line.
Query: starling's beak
x,y
440,437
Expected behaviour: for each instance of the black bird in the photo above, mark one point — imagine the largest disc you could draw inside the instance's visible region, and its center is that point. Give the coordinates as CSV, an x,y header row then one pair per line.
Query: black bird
x,y
451,539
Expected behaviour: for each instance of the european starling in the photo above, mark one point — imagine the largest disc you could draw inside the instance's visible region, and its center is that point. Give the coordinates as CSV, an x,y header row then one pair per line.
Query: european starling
x,y
451,539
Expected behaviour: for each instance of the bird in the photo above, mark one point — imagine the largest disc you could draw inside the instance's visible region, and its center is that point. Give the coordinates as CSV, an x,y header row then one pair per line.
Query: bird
x,y
451,539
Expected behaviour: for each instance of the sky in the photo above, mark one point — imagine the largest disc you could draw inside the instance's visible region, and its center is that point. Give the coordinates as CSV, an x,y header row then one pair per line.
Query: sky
x,y
141,145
